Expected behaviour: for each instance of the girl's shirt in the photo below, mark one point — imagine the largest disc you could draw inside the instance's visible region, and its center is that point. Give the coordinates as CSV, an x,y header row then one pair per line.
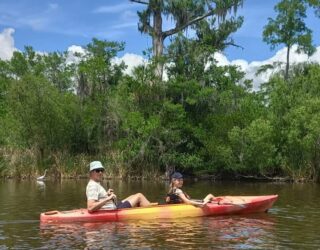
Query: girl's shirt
x,y
174,196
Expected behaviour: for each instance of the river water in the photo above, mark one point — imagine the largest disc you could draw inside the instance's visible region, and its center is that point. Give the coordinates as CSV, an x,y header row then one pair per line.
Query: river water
x,y
292,223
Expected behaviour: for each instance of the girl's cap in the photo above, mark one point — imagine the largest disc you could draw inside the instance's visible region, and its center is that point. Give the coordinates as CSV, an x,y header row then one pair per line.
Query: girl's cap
x,y
176,175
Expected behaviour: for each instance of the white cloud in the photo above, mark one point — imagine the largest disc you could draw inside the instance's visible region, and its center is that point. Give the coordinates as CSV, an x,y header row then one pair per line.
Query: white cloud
x,y
131,60
112,34
44,20
129,16
125,25
113,8
20,15
126,15
6,44
250,68
76,49
36,23
221,59
72,52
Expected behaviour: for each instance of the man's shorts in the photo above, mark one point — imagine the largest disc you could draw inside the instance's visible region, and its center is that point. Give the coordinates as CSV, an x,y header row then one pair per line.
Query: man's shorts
x,y
125,204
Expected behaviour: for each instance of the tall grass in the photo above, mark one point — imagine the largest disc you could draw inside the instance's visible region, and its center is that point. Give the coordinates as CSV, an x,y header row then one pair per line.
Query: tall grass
x,y
26,163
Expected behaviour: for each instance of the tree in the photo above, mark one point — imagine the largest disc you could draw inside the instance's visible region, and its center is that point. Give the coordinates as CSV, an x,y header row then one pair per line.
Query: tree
x,y
253,149
96,76
4,83
289,28
316,5
43,114
96,73
58,71
184,13
4,79
293,110
190,58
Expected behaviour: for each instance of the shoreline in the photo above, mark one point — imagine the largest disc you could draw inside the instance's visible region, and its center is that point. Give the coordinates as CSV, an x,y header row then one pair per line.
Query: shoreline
x,y
276,179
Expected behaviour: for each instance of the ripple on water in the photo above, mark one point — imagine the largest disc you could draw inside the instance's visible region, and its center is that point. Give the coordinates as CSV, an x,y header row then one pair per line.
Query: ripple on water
x,y
233,232
292,223
2,222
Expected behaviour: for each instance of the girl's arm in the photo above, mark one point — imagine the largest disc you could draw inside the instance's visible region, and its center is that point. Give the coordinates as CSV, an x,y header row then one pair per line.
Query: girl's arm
x,y
188,201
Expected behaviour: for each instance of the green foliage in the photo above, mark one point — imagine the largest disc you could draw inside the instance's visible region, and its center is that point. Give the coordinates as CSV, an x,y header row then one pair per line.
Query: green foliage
x,y
253,148
288,27
41,112
190,58
58,71
95,72
184,12
199,16
4,71
203,119
294,112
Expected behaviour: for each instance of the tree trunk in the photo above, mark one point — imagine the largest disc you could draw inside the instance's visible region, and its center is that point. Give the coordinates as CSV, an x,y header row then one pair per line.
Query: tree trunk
x,y
287,66
157,42
157,7
82,89
169,171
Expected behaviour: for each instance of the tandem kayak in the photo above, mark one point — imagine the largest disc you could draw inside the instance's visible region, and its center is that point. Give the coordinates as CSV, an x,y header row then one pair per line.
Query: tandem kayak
x,y
224,205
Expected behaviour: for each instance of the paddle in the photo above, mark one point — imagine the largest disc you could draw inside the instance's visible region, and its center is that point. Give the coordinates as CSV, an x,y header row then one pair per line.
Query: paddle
x,y
219,201
114,199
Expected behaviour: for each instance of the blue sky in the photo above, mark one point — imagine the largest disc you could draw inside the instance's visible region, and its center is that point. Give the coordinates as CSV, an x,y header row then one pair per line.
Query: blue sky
x,y
57,24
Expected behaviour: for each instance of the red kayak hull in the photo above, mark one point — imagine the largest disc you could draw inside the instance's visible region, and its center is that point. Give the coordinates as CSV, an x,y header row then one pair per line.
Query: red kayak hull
x,y
226,205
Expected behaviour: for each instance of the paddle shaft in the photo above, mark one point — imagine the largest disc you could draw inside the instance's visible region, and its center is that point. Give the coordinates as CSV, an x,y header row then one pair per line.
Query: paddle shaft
x,y
114,199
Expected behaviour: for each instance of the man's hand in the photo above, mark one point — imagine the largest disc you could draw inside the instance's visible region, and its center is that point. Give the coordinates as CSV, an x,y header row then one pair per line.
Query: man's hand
x,y
111,197
110,191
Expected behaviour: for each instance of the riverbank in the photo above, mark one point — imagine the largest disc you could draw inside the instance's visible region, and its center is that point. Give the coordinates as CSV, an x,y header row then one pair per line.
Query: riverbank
x,y
28,164
158,177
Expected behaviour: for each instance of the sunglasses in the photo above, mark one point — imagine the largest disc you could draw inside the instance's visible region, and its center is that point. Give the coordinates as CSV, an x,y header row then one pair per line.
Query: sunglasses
x,y
99,170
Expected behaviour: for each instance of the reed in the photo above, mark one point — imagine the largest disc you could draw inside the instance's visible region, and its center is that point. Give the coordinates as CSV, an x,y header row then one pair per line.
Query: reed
x,y
25,163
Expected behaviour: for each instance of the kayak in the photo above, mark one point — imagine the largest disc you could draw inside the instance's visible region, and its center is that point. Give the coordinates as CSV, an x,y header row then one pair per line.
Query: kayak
x,y
224,205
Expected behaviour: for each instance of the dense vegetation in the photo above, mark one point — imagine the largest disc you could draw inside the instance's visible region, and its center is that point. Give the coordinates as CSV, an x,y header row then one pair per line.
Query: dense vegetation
x,y
203,119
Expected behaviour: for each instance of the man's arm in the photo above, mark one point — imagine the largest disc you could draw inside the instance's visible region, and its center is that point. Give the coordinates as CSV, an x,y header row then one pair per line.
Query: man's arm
x,y
94,205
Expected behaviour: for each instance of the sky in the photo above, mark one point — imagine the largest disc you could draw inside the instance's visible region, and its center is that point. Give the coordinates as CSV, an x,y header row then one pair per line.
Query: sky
x,y
58,25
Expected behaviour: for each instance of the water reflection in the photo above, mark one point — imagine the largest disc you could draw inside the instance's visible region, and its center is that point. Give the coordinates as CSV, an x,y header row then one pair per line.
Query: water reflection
x,y
218,232
292,223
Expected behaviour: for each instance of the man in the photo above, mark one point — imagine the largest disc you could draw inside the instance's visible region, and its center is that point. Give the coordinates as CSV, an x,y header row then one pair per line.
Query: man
x,y
99,198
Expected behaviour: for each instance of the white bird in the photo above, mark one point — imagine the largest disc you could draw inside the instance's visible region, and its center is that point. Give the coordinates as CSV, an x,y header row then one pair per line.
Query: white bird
x,y
41,185
42,177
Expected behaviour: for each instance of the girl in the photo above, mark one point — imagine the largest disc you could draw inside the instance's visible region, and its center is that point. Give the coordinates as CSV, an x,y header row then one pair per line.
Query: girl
x,y
177,196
